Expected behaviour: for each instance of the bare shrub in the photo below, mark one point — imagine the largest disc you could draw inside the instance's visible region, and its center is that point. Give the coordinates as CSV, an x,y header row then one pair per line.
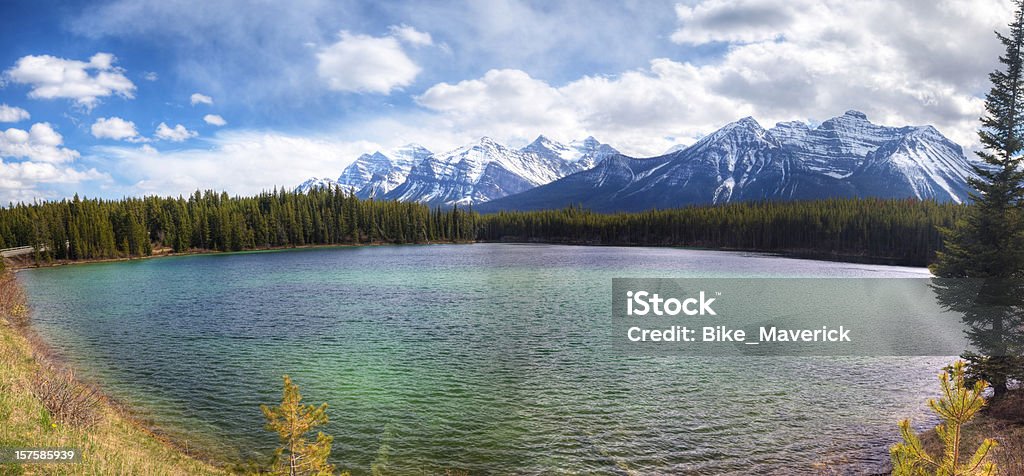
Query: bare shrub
x,y
68,401
13,305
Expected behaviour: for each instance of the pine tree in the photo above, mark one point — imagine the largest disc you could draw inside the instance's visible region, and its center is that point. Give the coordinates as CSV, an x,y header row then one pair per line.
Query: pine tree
x,y
988,242
292,420
958,405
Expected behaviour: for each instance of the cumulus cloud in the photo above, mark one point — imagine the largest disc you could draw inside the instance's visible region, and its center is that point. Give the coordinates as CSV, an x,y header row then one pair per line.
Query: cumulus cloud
x,y
177,133
51,77
214,119
114,128
150,76
198,98
243,162
411,35
365,64
506,103
36,158
639,112
38,144
803,57
802,61
13,114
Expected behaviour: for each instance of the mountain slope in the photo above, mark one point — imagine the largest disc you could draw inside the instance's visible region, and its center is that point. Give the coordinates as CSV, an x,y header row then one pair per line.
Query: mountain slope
x,y
843,157
579,154
315,183
373,175
476,173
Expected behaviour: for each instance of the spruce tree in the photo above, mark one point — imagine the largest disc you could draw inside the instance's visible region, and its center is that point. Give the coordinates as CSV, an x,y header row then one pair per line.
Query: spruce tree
x,y
988,242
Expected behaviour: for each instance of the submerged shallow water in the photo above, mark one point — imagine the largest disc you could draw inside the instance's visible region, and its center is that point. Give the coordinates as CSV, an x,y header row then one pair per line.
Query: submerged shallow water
x,y
491,358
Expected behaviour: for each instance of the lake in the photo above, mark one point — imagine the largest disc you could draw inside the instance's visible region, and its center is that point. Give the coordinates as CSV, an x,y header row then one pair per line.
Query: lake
x,y
490,358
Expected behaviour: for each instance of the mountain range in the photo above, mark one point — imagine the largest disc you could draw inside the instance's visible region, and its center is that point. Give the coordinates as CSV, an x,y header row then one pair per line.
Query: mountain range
x,y
846,156
470,175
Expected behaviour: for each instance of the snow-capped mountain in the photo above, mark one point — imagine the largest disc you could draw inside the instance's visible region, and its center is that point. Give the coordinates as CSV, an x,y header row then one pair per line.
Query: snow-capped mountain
x,y
922,161
373,175
845,156
472,174
482,171
315,183
581,154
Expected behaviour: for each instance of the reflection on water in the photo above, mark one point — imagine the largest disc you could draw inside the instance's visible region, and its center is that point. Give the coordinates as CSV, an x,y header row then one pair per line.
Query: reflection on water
x,y
993,312
488,358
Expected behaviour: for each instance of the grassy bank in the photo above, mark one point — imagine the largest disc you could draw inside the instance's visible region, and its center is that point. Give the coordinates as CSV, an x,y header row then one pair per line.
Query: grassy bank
x,y
32,416
1002,421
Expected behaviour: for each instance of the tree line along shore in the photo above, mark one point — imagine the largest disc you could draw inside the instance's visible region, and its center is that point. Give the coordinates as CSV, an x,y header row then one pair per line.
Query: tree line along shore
x,y
886,231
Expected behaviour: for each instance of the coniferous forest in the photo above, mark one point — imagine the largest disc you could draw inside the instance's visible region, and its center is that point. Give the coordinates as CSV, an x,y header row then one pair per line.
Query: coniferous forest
x,y
896,231
899,231
96,229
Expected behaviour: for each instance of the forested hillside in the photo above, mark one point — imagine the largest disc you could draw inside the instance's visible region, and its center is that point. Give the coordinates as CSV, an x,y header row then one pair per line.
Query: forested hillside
x,y
92,229
902,231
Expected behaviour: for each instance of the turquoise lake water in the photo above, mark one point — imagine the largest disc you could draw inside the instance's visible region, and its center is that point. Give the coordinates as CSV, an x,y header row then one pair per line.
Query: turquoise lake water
x,y
490,358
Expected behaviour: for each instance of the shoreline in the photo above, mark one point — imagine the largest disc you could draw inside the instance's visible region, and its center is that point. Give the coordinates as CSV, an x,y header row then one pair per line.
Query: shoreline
x,y
48,357
40,360
20,264
16,265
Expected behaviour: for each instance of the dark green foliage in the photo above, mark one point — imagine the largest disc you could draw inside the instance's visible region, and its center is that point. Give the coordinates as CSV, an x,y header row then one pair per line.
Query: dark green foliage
x,y
91,229
988,242
903,231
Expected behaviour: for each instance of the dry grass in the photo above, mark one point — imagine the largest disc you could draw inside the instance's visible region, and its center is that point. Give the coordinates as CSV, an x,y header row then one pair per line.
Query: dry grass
x,y
41,406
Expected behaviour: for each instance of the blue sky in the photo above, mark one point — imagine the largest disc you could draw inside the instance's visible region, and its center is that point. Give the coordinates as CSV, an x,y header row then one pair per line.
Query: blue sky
x,y
134,97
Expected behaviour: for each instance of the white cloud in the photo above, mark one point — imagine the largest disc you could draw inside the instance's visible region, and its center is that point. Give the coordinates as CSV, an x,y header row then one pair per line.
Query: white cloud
x,y
411,35
242,162
197,98
114,128
365,64
30,181
215,120
177,133
736,20
36,157
13,114
150,76
84,82
809,58
39,144
505,103
806,61
638,112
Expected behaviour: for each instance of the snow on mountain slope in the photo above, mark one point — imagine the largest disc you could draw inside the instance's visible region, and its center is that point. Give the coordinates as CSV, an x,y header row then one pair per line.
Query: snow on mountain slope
x,y
315,183
373,175
923,162
580,154
838,145
476,173
845,156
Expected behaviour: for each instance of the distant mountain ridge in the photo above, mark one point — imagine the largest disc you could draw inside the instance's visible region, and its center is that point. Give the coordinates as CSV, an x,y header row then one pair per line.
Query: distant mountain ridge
x,y
469,175
846,156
